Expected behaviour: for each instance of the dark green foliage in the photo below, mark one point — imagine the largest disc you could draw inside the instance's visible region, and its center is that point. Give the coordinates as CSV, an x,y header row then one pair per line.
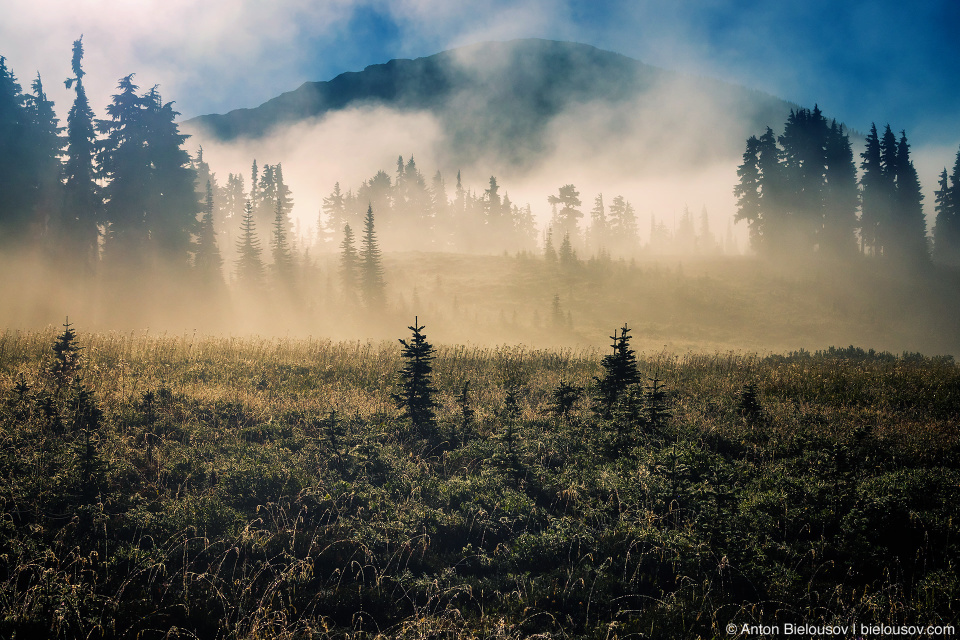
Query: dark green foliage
x,y
246,492
66,357
620,373
416,394
657,405
563,398
82,204
801,196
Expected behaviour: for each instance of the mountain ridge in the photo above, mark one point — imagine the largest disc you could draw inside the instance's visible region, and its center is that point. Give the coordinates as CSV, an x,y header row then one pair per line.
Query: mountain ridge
x,y
499,98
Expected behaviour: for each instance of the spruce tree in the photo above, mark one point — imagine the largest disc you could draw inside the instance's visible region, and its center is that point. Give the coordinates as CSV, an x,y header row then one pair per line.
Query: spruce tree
x,y
82,203
837,236
620,373
372,284
569,214
416,393
280,247
874,199
249,263
947,230
349,263
46,146
207,260
598,224
567,256
16,195
908,237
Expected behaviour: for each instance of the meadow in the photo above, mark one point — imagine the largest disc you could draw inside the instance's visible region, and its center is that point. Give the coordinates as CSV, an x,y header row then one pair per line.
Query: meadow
x,y
158,486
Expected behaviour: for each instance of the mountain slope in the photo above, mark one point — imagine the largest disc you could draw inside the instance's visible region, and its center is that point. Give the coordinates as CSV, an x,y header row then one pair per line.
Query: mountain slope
x,y
500,99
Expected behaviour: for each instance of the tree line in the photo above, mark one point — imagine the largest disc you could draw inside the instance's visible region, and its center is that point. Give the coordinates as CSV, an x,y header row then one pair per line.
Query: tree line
x,y
800,194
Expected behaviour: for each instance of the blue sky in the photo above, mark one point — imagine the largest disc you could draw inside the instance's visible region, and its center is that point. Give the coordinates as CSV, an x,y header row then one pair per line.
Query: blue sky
x,y
862,61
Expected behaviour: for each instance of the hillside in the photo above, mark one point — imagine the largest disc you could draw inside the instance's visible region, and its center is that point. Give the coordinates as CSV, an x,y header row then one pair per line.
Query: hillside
x,y
498,99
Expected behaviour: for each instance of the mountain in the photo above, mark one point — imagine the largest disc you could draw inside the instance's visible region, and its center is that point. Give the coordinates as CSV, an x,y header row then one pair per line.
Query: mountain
x,y
503,100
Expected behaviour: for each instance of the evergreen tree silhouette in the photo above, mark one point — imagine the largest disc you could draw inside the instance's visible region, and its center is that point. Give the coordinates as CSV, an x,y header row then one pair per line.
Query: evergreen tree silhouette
x,y
874,194
837,237
280,247
249,263
66,357
416,394
207,260
569,214
908,237
46,145
349,262
371,268
549,253
620,373
17,170
82,204
946,233
567,256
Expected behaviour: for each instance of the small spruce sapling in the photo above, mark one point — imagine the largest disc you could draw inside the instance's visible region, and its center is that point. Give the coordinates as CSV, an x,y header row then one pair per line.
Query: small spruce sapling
x,y
416,394
620,373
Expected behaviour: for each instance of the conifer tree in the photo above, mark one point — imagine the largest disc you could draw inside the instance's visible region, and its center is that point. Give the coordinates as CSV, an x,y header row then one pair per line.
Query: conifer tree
x,y
280,247
620,373
82,203
416,393
549,253
947,230
207,260
837,237
908,238
569,214
874,198
46,146
622,226
371,268
567,256
349,263
249,263
16,195
598,224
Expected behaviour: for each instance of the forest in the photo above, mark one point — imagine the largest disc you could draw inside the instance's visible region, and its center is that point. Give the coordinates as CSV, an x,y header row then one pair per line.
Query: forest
x,y
236,432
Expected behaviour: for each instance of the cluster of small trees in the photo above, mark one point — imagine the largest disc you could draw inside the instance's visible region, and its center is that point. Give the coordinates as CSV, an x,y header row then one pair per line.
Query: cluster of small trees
x,y
416,215
800,194
123,182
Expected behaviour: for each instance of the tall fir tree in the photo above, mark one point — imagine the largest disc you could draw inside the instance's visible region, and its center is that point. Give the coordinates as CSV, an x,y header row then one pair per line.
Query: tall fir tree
x,y
874,194
207,261
946,233
598,225
46,147
372,284
82,203
837,236
568,213
908,237
280,245
16,175
249,263
349,263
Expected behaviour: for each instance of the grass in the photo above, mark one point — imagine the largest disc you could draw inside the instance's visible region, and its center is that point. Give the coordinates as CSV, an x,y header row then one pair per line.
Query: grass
x,y
268,488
